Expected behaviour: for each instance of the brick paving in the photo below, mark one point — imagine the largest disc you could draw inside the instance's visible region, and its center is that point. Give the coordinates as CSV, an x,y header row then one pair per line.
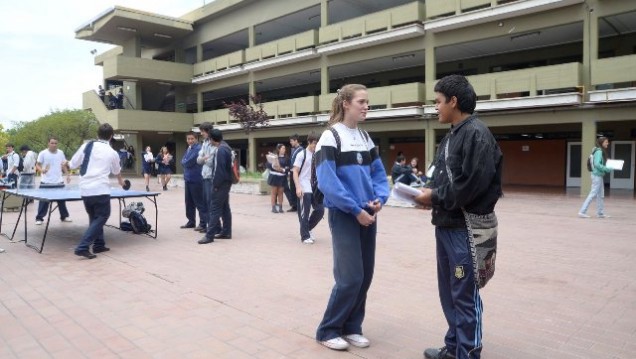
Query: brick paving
x,y
564,286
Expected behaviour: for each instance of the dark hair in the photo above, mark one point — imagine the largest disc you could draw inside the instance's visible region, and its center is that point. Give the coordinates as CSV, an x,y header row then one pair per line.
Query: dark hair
x,y
346,93
105,131
25,148
312,137
400,158
599,144
9,145
206,127
216,135
191,133
459,87
278,147
294,137
52,137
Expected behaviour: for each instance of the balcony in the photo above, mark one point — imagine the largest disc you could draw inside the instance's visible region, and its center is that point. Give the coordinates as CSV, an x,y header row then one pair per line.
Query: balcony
x,y
412,94
437,8
216,117
294,107
372,23
123,67
219,63
614,70
282,46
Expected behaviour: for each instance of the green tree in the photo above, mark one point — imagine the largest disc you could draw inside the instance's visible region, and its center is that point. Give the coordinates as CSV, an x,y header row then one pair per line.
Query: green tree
x,y
4,138
71,127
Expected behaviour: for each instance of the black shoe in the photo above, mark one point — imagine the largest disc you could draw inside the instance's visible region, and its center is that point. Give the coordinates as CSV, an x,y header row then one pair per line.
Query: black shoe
x,y
201,229
85,253
100,249
293,209
165,188
147,189
441,353
223,236
205,240
187,225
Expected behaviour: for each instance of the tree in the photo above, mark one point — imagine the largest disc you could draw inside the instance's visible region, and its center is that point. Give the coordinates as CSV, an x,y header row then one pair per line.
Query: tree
x,y
248,117
71,127
4,137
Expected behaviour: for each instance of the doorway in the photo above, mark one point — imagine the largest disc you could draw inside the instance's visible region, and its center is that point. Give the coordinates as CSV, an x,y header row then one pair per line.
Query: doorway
x,y
623,150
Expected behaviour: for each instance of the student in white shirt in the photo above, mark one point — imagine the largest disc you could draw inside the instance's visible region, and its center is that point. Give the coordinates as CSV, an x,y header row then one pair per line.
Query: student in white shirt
x,y
27,176
49,164
96,160
13,160
302,181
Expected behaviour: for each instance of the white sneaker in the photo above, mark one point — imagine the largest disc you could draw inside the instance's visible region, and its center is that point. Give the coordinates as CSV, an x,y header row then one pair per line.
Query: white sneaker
x,y
583,215
604,216
357,340
67,219
38,222
311,235
336,343
308,241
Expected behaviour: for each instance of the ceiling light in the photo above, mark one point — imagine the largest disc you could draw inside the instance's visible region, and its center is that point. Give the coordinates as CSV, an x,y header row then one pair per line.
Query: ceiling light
x,y
124,28
162,35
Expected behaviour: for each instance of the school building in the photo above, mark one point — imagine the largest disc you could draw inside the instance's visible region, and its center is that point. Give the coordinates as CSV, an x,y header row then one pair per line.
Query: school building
x,y
551,75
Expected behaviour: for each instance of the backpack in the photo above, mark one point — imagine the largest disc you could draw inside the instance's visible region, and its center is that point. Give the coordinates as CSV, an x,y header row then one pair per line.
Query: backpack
x,y
317,196
20,164
138,223
590,161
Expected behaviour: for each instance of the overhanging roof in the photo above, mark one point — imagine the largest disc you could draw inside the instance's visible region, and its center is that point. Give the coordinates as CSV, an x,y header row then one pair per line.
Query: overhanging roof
x,y
119,24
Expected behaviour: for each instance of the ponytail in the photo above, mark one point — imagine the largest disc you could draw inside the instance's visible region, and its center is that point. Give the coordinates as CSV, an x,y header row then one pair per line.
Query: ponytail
x,y
346,93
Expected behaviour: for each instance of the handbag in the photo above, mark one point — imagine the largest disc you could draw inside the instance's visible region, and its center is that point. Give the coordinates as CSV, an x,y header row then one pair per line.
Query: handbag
x,y
482,238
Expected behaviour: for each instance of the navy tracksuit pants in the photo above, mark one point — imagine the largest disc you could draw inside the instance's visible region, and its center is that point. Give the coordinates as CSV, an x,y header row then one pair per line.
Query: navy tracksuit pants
x,y
353,264
458,293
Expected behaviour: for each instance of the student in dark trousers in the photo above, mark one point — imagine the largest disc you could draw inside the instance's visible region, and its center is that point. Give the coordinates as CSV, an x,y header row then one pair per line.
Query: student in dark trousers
x,y
473,156
219,191
301,174
290,191
353,181
193,180
96,160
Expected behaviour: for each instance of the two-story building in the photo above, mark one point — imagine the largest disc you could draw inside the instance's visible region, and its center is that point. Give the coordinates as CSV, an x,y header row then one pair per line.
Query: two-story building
x,y
550,75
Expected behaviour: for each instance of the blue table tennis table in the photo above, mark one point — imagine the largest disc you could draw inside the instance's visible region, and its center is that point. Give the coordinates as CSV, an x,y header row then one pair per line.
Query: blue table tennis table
x,y
67,194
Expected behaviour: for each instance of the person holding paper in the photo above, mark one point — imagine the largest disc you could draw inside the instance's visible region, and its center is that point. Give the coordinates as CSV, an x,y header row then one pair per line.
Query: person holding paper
x,y
466,182
599,170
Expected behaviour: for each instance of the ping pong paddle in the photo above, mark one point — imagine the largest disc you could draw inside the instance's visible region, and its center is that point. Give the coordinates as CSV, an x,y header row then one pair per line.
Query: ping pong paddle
x,y
126,185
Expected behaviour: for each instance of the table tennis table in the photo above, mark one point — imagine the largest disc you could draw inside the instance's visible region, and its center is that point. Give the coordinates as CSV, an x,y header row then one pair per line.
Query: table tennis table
x,y
69,195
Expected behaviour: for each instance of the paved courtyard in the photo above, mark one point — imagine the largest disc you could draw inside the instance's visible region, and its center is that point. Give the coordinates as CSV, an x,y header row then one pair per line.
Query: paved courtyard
x,y
564,287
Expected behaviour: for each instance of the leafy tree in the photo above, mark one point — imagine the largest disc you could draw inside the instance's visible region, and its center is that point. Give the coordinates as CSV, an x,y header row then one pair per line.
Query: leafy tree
x,y
4,138
247,115
71,127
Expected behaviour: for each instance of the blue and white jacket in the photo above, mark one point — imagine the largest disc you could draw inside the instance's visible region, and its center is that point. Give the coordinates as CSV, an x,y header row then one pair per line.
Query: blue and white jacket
x,y
355,176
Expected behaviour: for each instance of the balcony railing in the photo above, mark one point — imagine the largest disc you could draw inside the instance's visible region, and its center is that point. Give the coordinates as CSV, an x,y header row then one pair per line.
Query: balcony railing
x,y
438,8
219,63
614,70
379,21
282,46
411,94
517,82
291,108
216,117
120,67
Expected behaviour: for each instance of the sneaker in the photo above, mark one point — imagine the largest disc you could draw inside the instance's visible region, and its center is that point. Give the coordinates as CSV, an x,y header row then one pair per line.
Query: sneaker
x,y
147,189
336,343
357,340
100,249
38,222
67,219
441,353
308,241
85,254
604,216
583,215
311,235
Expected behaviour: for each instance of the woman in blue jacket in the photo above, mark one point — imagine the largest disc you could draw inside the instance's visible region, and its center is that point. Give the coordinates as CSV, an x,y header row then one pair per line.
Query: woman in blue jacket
x,y
353,180
598,172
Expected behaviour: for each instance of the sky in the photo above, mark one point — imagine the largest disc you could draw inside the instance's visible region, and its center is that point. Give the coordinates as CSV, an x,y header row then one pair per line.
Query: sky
x,y
43,67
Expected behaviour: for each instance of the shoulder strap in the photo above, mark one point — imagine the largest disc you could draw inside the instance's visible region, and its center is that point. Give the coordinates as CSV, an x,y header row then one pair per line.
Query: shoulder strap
x,y
304,160
87,154
336,136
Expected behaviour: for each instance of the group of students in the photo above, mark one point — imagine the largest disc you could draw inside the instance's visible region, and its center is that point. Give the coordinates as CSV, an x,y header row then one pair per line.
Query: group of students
x,y
162,165
353,180
111,101
410,174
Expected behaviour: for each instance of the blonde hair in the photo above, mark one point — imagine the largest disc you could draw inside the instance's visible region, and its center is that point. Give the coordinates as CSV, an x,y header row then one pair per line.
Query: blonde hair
x,y
346,93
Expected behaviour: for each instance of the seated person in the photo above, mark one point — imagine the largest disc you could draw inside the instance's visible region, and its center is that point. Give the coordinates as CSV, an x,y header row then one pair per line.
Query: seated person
x,y
402,173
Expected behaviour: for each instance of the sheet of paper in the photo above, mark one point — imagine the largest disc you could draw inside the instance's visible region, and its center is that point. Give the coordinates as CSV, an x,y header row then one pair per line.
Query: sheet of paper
x,y
616,165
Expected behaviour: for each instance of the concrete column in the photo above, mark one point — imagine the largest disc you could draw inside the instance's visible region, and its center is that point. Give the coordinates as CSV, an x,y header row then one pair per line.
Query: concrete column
x,y
429,64
199,53
251,153
590,43
199,101
324,13
180,148
429,143
588,139
132,47
324,75
251,36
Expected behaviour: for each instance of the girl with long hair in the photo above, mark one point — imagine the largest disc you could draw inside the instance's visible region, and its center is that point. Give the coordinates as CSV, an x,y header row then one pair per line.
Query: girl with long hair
x,y
146,166
277,175
165,161
599,170
353,180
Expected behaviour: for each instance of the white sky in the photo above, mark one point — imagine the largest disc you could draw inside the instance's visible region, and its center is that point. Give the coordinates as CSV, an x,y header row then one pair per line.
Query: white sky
x,y
42,66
